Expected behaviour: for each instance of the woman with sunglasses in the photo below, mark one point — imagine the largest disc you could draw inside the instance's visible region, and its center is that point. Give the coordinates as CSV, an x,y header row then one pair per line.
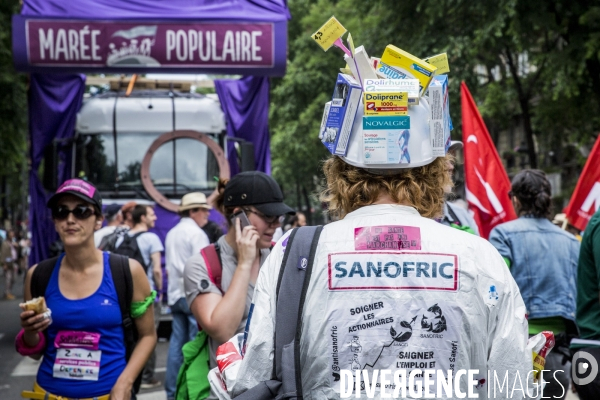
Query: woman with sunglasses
x,y
86,317
223,312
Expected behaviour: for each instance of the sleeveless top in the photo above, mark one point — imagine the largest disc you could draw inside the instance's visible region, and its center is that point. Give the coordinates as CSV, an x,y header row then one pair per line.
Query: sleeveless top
x,y
85,350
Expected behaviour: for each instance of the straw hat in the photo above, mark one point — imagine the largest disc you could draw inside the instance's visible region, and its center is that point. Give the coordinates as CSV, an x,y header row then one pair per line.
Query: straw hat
x,y
194,200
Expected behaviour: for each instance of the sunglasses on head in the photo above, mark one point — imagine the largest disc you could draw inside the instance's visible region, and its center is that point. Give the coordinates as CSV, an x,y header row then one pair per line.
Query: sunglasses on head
x,y
79,212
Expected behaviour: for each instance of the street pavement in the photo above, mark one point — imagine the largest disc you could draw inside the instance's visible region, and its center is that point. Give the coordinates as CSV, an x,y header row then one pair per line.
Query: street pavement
x,y
17,373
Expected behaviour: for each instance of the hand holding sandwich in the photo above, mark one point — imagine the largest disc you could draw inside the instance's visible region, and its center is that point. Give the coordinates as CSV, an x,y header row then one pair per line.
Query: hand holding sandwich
x,y
34,319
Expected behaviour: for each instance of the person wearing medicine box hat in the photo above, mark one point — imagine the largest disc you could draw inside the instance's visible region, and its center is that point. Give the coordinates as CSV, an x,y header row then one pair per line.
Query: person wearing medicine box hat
x,y
182,242
389,288
81,289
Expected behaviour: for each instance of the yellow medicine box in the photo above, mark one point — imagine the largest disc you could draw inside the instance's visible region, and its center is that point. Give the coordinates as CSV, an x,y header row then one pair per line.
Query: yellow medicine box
x,y
385,103
409,64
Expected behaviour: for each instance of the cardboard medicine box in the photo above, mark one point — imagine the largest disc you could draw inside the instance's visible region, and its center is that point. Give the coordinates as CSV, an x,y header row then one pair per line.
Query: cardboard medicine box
x,y
361,65
385,103
409,64
340,115
385,71
439,123
410,86
385,139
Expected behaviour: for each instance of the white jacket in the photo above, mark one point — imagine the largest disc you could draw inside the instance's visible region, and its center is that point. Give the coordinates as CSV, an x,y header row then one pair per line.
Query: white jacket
x,y
453,304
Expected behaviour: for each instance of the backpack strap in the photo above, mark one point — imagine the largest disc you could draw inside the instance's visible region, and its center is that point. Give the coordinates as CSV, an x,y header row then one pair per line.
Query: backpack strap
x,y
455,219
123,281
294,280
41,277
214,267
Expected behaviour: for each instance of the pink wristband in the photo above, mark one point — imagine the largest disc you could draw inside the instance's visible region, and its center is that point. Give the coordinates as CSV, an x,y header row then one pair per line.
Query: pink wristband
x,y
25,350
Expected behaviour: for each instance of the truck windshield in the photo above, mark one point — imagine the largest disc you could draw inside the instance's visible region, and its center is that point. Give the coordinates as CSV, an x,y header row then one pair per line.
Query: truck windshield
x,y
177,167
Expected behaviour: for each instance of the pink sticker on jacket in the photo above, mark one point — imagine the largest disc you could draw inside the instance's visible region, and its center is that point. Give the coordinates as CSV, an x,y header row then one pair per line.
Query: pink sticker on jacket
x,y
77,339
387,237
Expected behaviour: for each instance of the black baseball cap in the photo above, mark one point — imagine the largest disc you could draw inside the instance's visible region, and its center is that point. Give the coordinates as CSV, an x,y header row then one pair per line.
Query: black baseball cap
x,y
78,188
254,188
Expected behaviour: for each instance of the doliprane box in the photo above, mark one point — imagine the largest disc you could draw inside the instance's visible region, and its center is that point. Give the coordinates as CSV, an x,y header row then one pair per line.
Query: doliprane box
x,y
341,113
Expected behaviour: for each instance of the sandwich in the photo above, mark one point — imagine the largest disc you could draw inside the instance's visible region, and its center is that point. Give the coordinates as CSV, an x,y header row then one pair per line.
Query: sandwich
x,y
38,305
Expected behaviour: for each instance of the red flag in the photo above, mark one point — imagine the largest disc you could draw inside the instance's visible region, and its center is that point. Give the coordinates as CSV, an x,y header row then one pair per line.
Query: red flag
x,y
486,182
586,197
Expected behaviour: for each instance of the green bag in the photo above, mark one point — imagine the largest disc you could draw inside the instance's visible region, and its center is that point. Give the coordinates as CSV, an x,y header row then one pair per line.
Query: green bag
x,y
192,381
464,228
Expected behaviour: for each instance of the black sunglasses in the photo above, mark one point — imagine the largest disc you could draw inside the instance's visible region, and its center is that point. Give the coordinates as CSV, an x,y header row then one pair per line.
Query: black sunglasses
x,y
79,212
269,219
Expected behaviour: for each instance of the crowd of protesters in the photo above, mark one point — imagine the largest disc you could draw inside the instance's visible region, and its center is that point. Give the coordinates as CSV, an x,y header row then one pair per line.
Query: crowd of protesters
x,y
15,247
557,277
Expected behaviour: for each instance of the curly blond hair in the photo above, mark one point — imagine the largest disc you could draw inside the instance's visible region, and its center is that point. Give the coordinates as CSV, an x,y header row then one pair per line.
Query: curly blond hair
x,y
350,188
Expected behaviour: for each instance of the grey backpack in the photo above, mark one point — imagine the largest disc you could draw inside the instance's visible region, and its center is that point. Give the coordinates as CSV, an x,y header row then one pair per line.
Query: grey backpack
x,y
294,278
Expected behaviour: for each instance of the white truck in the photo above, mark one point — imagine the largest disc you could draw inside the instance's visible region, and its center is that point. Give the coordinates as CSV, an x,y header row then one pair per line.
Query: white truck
x,y
114,133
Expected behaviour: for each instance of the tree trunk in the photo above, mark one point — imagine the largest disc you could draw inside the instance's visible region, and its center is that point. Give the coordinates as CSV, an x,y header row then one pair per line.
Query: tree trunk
x,y
528,132
308,212
3,201
524,103
593,67
298,200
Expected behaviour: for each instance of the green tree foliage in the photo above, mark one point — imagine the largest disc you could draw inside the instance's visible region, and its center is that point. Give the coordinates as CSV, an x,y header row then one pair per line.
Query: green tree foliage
x,y
535,60
13,114
530,62
297,99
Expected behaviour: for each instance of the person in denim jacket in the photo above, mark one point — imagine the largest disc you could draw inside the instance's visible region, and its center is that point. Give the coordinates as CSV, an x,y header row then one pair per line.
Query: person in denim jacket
x,y
543,260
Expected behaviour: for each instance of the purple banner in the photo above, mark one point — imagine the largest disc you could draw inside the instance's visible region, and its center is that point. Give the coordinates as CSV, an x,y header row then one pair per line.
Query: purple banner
x,y
115,46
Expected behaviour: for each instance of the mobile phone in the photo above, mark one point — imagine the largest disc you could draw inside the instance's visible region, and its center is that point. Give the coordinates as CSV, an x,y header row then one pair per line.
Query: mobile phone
x,y
243,219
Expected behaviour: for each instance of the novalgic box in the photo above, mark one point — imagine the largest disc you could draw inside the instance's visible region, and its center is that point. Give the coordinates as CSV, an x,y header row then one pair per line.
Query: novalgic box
x,y
385,139
341,113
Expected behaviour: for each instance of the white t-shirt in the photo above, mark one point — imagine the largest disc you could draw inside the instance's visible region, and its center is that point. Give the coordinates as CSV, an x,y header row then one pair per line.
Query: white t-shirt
x,y
183,241
390,289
